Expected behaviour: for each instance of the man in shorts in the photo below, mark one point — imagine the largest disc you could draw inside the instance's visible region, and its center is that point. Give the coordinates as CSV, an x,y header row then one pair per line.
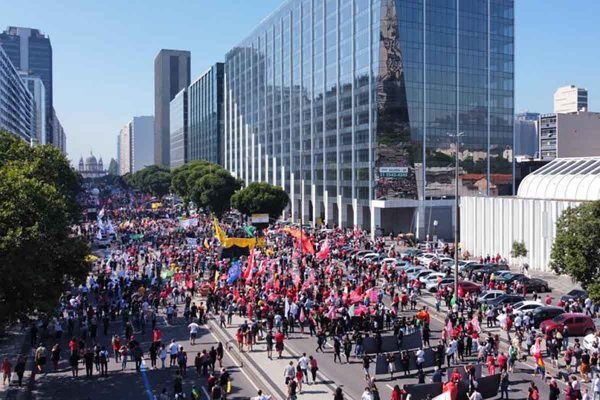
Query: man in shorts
x,y
193,327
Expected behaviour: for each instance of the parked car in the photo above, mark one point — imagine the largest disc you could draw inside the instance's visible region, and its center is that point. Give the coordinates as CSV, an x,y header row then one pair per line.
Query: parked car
x,y
578,324
412,272
490,295
369,256
525,307
411,252
467,286
505,299
426,258
544,313
488,269
531,284
591,342
471,268
575,294
432,285
423,274
503,276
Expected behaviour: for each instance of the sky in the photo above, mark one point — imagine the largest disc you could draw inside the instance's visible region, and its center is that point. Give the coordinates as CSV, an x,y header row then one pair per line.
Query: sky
x,y
104,53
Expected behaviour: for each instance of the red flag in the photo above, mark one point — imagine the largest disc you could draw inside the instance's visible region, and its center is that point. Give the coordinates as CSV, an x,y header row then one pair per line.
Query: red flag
x,y
302,316
324,252
250,268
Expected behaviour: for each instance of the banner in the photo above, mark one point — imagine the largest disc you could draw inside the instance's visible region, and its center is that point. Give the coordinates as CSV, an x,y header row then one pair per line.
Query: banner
x,y
234,273
156,206
192,241
187,223
260,218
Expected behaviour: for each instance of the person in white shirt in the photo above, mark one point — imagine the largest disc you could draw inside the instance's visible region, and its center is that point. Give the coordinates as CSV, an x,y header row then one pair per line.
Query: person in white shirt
x,y
261,396
193,327
303,363
367,395
173,348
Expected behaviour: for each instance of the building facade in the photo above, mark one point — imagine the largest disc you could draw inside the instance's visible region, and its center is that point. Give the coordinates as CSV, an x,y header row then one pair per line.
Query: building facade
x,y
569,135
142,142
17,107
125,150
178,118
36,87
526,134
59,138
205,136
31,52
92,167
570,99
348,105
171,74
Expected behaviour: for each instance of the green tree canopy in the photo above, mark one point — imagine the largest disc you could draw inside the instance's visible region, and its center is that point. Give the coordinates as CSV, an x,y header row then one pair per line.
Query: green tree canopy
x,y
213,190
39,258
152,179
575,249
261,197
518,249
183,178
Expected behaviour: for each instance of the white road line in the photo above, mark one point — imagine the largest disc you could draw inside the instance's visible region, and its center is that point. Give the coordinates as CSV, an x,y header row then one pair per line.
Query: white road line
x,y
235,362
205,392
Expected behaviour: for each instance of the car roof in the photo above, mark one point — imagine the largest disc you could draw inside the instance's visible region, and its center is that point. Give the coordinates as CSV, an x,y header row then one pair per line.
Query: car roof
x,y
576,314
544,308
529,302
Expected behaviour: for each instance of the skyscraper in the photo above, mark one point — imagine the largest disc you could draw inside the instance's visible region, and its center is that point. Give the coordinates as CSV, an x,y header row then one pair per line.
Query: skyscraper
x,y
171,74
348,105
570,99
37,90
136,145
17,108
31,52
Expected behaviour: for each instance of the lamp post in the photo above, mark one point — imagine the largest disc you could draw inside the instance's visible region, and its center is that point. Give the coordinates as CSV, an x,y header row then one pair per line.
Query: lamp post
x,y
456,136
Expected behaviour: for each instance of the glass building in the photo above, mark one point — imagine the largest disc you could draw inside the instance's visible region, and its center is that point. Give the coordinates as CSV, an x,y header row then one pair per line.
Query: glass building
x,y
178,121
17,107
351,106
205,116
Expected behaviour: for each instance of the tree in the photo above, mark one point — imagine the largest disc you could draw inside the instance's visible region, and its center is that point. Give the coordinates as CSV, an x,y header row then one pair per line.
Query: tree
x,y
518,250
113,167
575,249
261,197
184,177
214,190
39,258
152,179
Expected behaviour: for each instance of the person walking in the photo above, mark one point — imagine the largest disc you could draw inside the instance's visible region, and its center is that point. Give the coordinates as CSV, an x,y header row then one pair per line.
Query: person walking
x,y
6,370
504,382
312,363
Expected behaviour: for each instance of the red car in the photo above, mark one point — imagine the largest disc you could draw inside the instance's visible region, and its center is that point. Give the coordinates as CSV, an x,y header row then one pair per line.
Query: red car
x,y
577,324
466,286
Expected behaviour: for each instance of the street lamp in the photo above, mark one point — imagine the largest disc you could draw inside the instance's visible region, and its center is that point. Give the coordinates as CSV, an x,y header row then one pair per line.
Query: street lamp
x,y
456,136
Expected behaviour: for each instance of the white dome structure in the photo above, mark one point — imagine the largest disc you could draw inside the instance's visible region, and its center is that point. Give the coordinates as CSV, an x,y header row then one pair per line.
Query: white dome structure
x,y
575,179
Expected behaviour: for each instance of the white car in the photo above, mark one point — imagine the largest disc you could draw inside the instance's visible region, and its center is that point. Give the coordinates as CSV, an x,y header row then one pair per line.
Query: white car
x,y
368,256
490,295
591,342
413,271
426,258
390,261
431,282
525,306
422,274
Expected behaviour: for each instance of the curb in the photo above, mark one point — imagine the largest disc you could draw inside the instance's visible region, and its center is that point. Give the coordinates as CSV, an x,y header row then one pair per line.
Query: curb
x,y
251,366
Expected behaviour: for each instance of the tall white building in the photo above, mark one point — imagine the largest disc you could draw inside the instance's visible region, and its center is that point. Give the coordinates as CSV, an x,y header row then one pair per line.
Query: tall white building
x,y
142,142
125,149
37,89
136,145
570,99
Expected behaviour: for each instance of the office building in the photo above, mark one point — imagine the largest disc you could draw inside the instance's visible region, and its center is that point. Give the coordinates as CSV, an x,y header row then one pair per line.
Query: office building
x,y
59,139
35,85
526,134
171,74
178,119
205,97
348,106
31,52
142,142
136,145
569,135
17,107
570,99
125,150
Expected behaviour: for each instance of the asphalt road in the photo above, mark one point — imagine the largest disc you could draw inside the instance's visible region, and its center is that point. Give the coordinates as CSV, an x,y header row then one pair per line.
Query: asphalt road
x,y
130,384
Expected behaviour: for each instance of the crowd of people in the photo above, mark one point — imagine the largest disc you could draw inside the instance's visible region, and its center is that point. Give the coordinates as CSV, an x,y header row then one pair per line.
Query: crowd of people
x,y
166,264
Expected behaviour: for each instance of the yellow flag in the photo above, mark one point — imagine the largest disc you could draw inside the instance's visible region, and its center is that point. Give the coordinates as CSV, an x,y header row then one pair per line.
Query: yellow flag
x,y
216,277
219,232
206,244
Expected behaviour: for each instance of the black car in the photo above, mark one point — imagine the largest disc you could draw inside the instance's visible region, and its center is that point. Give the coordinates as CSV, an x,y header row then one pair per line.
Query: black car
x,y
489,270
531,284
505,299
471,268
575,294
543,313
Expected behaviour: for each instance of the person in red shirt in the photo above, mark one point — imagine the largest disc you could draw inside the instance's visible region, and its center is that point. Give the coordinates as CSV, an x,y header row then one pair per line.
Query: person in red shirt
x,y
491,364
456,376
279,338
74,345
502,362
452,388
548,300
6,368
156,336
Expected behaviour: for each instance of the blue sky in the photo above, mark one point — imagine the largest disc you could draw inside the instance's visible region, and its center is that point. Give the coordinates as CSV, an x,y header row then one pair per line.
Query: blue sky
x,y
104,52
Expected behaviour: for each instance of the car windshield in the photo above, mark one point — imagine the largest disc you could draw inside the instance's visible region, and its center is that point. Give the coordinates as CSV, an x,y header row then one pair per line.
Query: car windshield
x,y
574,292
518,305
559,318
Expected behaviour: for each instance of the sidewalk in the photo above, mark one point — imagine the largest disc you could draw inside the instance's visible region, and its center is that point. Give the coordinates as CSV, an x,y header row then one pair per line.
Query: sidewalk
x,y
12,344
271,372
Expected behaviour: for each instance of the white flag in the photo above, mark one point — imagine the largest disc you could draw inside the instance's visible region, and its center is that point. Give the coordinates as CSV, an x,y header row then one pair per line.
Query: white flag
x,y
99,234
443,396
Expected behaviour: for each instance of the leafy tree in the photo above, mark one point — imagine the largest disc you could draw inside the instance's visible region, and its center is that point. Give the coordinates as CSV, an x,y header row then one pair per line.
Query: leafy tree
x,y
214,190
261,197
39,258
152,179
575,249
113,167
184,177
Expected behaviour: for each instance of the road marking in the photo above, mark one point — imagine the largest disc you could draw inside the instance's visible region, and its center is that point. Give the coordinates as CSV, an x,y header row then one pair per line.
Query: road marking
x,y
205,392
234,361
